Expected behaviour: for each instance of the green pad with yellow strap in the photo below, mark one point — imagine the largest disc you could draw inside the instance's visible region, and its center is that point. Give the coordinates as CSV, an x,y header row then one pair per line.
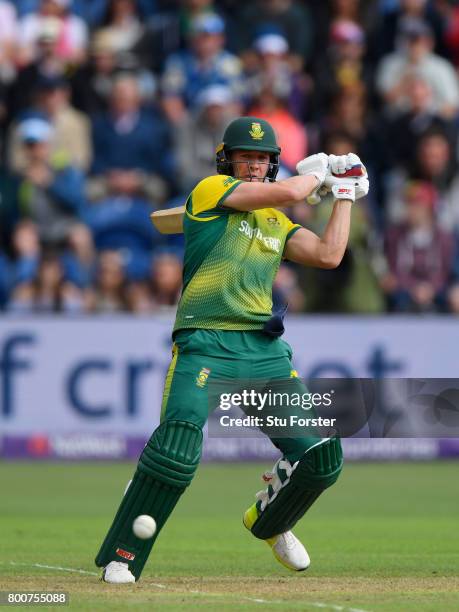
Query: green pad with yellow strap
x,y
293,489
166,467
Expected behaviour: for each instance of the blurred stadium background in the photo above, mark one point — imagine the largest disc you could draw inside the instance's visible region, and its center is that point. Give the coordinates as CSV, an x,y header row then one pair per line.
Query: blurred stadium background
x,y
110,109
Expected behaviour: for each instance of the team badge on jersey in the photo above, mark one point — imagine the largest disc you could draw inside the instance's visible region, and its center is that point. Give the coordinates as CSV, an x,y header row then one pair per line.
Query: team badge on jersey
x,y
256,132
201,379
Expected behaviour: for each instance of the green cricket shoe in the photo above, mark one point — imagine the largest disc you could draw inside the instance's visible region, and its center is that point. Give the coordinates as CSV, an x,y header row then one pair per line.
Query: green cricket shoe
x,y
286,547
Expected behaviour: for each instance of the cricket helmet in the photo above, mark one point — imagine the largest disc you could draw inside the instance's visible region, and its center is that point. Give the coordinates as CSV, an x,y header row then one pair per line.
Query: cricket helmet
x,y
248,134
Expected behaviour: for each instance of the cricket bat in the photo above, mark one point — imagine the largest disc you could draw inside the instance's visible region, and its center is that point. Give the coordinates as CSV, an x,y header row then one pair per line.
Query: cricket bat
x,y
169,220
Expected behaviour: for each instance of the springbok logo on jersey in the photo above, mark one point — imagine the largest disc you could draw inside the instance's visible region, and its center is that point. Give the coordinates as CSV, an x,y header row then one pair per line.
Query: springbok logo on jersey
x,y
202,377
256,132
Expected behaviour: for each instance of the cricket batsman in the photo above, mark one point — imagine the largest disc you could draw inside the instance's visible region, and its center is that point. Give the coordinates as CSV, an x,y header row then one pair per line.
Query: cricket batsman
x,y
236,237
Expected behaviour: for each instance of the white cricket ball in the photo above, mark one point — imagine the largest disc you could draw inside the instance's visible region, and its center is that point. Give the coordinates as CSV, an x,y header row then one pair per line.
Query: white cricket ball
x,y
144,526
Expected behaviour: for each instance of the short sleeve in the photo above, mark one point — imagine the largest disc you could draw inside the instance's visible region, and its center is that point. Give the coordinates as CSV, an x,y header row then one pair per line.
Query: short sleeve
x,y
208,197
290,227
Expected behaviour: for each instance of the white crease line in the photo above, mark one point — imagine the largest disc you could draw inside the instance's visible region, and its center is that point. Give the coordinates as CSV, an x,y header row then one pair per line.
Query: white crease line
x,y
55,567
315,604
71,569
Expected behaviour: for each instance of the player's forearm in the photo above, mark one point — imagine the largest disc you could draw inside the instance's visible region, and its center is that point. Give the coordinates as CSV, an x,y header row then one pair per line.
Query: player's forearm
x,y
298,188
335,238
255,195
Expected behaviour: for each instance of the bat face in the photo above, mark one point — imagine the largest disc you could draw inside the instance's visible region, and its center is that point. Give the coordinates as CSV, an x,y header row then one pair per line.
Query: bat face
x,y
169,221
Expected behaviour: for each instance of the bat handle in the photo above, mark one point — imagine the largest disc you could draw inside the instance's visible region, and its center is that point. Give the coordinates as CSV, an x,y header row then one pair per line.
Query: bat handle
x,y
313,199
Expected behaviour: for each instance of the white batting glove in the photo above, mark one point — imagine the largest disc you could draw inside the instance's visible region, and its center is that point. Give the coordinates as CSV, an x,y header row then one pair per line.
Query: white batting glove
x,y
317,165
343,189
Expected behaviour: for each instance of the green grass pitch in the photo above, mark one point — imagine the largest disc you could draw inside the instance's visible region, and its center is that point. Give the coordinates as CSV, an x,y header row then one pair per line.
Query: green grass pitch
x,y
385,537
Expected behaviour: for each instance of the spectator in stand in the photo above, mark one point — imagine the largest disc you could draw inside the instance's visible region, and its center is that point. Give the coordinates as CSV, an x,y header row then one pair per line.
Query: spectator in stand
x,y
132,147
433,162
8,33
79,259
26,250
348,113
109,291
414,57
121,222
203,63
403,131
92,83
289,18
72,33
198,136
71,141
166,280
46,65
383,37
343,67
270,103
50,192
124,24
274,62
419,255
168,32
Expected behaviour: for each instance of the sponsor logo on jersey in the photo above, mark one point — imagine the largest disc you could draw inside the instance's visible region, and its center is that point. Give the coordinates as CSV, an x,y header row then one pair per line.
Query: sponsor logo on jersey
x,y
270,242
256,132
273,221
125,554
202,377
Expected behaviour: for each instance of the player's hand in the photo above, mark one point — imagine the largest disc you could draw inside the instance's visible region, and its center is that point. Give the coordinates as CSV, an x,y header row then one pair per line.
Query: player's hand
x,y
343,164
346,171
345,189
317,165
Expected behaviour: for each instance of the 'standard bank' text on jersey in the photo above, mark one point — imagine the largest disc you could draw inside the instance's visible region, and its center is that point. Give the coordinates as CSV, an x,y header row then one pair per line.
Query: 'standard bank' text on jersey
x,y
231,259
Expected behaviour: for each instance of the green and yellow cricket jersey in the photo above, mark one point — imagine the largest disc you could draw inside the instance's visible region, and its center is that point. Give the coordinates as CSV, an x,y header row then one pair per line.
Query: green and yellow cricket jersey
x,y
231,259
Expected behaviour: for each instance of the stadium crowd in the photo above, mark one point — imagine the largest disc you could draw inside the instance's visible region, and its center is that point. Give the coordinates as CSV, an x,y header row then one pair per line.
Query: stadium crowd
x,y
110,109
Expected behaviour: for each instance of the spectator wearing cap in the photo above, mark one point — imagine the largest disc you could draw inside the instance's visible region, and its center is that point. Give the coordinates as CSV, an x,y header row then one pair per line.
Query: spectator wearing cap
x,y
419,255
415,57
270,102
72,33
289,18
197,137
132,147
202,64
50,192
343,67
273,61
71,140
